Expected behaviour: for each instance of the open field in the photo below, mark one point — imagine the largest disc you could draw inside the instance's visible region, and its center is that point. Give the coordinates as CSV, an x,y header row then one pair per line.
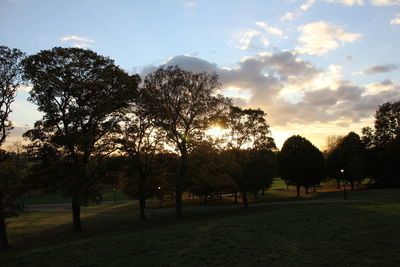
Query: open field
x,y
361,232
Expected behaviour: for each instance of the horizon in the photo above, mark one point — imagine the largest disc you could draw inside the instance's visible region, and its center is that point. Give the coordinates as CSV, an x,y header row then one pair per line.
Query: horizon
x,y
317,68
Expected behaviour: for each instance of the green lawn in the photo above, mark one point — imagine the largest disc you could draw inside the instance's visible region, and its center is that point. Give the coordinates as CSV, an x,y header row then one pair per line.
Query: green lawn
x,y
50,198
352,233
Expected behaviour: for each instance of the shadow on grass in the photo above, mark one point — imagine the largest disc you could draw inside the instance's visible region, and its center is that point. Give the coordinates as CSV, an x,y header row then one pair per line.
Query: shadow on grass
x,y
292,235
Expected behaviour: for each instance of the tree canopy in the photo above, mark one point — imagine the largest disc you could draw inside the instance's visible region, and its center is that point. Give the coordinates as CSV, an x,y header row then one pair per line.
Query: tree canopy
x,y
300,162
184,105
81,95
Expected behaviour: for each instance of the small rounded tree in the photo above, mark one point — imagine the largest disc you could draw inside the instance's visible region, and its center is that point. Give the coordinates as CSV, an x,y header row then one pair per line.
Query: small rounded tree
x,y
301,163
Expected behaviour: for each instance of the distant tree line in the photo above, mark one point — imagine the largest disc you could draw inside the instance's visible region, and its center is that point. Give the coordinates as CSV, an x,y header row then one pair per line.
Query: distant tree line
x,y
147,136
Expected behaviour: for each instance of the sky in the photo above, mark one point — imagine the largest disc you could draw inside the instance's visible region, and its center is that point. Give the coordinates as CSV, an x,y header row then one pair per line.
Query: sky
x,y
317,67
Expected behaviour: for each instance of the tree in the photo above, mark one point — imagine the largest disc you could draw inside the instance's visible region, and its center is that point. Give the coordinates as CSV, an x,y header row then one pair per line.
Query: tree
x,y
10,79
81,95
348,156
249,130
332,157
207,171
184,105
383,145
141,142
300,162
12,185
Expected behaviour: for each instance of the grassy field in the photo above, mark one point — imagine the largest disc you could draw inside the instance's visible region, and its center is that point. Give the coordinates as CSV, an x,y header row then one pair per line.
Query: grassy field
x,y
361,232
51,198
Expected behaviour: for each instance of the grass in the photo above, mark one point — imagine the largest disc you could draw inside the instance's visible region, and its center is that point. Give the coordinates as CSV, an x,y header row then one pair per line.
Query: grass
x,y
352,233
37,197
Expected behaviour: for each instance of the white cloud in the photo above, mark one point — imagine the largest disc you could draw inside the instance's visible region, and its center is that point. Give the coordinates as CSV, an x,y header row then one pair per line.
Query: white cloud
x,y
269,29
78,41
24,88
247,40
190,4
77,38
396,19
287,16
317,38
386,2
347,2
307,5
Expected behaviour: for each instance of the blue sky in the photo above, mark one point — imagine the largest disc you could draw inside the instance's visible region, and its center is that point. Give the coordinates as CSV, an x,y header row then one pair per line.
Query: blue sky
x,y
317,67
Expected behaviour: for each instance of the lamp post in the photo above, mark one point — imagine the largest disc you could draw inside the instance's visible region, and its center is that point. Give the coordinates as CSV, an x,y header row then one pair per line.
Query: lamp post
x,y
115,193
160,196
344,184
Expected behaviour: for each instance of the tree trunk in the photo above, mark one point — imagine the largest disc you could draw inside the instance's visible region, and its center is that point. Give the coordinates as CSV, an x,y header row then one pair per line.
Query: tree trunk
x,y
306,189
205,198
76,216
255,194
298,190
315,190
244,196
352,185
337,184
3,232
142,198
263,192
236,196
178,183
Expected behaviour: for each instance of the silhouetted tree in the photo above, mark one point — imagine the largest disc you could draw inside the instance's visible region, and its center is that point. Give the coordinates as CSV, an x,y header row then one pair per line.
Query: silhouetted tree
x,y
81,94
383,143
184,105
349,156
10,79
249,130
141,141
300,162
331,143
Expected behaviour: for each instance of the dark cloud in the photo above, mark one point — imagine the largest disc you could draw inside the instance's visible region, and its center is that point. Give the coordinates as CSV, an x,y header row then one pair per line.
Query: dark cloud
x,y
381,68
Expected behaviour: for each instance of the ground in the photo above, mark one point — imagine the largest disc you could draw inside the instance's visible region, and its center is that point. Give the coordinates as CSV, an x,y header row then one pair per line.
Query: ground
x,y
319,230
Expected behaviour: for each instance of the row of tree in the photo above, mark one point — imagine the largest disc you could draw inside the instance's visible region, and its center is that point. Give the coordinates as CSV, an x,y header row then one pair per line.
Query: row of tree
x,y
102,125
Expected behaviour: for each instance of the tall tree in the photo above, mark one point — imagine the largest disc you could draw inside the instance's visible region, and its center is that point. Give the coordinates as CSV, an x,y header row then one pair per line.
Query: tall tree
x,y
141,142
331,157
184,105
300,162
249,130
348,156
10,79
383,143
81,95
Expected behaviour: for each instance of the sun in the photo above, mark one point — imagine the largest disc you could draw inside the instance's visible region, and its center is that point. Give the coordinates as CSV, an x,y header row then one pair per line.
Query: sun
x,y
215,132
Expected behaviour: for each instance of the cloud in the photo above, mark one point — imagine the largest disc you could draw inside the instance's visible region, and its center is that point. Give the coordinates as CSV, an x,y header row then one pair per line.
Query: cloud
x,y
190,4
252,40
78,41
77,38
307,5
396,19
24,88
257,40
347,2
317,38
386,2
269,29
381,68
292,91
288,16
